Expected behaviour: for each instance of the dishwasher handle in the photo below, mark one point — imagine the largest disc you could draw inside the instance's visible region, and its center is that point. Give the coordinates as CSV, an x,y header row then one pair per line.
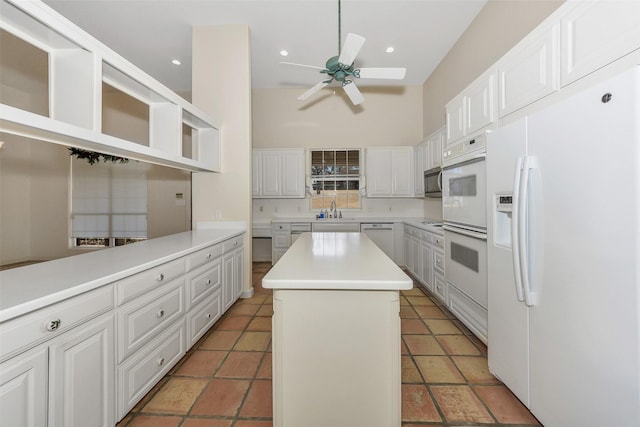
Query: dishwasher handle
x,y
383,226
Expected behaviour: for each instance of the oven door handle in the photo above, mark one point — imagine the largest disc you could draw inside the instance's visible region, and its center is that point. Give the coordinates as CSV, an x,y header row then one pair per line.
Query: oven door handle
x,y
468,233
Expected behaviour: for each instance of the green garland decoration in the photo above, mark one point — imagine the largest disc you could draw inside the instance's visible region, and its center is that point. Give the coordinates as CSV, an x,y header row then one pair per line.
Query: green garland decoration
x,y
92,157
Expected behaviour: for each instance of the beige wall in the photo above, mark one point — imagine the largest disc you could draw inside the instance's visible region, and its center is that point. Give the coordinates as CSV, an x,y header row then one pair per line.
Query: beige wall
x,y
496,29
225,196
388,116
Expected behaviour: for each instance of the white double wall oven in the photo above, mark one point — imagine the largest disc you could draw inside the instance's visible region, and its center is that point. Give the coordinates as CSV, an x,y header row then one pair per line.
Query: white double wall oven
x,y
464,204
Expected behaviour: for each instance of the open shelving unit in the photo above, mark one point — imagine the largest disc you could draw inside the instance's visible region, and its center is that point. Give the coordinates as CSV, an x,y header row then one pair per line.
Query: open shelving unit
x,y
79,67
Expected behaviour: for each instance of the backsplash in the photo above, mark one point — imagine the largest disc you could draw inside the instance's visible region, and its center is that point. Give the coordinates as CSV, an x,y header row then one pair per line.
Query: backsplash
x,y
284,208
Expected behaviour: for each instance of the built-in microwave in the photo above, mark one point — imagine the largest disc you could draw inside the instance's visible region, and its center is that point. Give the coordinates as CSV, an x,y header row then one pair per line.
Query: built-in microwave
x,y
433,183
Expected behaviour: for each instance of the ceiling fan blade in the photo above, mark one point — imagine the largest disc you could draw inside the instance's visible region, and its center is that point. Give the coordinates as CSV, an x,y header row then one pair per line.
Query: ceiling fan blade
x,y
353,93
383,73
302,65
350,49
314,90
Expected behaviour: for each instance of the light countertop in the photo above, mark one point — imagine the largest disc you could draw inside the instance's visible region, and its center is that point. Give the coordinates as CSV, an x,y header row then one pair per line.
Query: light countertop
x,y
35,286
261,226
338,261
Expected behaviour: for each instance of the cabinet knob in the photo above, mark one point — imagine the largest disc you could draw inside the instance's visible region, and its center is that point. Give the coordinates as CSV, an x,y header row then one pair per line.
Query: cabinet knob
x,y
208,316
160,314
208,256
52,325
235,243
161,361
438,241
160,277
208,281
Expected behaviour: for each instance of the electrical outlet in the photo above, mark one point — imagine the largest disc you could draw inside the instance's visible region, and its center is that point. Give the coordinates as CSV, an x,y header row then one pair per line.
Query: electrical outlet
x,y
261,208
218,214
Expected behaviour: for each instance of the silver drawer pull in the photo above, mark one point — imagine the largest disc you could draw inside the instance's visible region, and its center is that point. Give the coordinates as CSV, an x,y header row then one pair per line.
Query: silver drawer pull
x,y
52,325
208,281
208,316
160,277
438,241
160,314
161,361
208,256
235,243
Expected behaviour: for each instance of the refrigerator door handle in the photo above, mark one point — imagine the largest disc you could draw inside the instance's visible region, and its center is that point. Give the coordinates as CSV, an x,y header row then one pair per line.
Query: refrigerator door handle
x,y
515,237
523,237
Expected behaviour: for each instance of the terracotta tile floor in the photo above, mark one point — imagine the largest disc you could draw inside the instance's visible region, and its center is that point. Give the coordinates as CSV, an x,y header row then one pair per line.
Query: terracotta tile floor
x,y
225,379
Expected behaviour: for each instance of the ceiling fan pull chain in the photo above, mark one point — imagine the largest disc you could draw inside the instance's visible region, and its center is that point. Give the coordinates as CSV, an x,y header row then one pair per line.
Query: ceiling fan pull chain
x,y
339,30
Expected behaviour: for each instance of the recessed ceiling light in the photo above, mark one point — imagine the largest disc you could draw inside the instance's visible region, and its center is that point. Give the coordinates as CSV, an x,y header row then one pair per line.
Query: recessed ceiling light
x,y
390,49
176,62
284,53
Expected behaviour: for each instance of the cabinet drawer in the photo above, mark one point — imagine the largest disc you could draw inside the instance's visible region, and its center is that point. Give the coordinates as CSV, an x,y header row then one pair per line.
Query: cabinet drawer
x,y
202,317
438,261
142,371
203,282
41,325
142,319
141,283
281,226
440,288
469,312
438,242
232,244
203,256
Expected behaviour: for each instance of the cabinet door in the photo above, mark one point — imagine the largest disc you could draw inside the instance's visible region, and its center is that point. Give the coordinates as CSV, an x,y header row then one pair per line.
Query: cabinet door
x,y
420,167
379,172
271,172
228,273
238,279
480,103
530,71
408,252
435,149
402,171
416,249
427,269
455,119
23,389
82,375
595,34
256,177
293,173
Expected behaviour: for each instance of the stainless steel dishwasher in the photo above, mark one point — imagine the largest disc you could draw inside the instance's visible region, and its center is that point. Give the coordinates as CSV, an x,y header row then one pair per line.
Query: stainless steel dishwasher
x,y
381,233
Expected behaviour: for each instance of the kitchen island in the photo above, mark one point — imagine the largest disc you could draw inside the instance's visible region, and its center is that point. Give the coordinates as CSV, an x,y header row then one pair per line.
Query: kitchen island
x,y
336,333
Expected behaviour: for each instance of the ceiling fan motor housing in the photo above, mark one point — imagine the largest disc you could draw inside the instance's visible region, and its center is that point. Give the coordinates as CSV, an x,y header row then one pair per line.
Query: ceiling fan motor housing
x,y
338,71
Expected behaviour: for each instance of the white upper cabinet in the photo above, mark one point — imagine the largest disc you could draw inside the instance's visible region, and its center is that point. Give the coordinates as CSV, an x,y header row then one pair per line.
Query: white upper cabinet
x,y
530,70
595,34
77,71
473,109
278,173
427,155
390,172
419,160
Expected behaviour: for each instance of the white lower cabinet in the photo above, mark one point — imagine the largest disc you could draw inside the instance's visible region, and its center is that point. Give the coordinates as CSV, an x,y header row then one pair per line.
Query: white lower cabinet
x,y
88,360
23,389
58,364
424,258
81,376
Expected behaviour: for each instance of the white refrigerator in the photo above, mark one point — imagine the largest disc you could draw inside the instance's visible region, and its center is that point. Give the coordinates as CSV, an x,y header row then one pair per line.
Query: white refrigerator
x,y
564,257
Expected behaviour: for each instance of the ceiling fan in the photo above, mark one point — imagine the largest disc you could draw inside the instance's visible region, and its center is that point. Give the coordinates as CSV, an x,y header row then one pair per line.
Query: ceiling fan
x,y
341,68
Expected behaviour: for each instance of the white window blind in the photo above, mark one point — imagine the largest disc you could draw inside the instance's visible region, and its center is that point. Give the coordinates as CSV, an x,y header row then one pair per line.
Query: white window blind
x,y
109,200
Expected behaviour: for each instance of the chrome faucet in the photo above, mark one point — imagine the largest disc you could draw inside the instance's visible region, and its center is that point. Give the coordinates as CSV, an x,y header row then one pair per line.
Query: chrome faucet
x,y
333,208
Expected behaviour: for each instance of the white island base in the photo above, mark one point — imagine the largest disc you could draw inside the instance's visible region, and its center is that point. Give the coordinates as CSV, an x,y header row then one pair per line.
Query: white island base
x,y
336,333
